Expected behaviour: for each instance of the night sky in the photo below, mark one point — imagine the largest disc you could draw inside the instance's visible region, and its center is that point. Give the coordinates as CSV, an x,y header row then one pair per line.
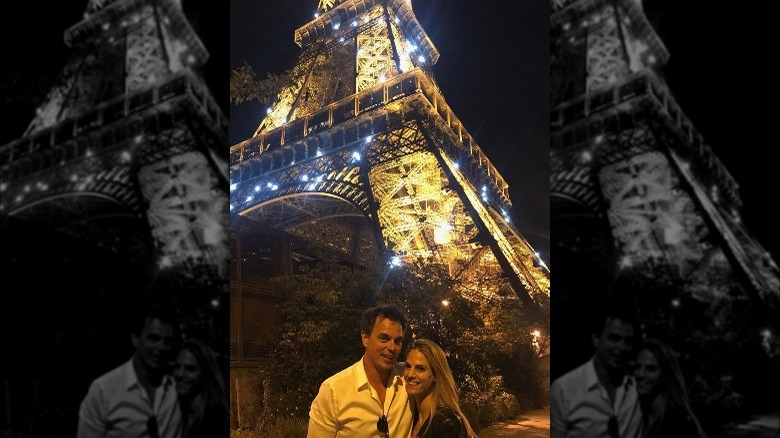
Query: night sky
x,y
718,73
493,72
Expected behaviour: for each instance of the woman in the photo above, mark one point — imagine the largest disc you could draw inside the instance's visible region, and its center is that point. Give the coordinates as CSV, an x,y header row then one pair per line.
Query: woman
x,y
666,409
201,390
432,393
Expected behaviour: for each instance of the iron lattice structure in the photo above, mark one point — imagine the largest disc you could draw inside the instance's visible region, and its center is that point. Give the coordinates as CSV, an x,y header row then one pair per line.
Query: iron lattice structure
x,y
626,158
362,155
123,154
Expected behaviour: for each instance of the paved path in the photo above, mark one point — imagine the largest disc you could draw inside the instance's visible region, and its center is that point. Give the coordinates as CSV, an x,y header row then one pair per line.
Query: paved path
x,y
766,425
531,424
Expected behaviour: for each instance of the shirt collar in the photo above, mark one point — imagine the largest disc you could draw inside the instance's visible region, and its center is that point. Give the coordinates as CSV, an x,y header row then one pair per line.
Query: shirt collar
x,y
592,380
361,379
130,378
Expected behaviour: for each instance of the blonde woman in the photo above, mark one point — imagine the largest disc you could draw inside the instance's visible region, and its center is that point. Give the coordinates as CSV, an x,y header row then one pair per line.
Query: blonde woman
x,y
432,394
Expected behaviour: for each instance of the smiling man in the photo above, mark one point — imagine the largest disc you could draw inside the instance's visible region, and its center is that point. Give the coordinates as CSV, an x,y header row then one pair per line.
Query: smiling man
x,y
138,398
599,399
367,399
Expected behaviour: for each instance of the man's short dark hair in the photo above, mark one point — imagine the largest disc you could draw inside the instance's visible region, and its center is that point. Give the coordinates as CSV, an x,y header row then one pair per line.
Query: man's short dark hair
x,y
612,311
149,312
389,311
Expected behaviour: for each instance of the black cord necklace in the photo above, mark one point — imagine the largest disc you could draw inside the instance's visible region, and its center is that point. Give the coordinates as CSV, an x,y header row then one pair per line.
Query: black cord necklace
x,y
381,424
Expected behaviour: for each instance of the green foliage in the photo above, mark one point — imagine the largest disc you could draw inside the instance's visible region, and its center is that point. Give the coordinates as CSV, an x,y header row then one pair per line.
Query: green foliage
x,y
318,334
244,87
717,331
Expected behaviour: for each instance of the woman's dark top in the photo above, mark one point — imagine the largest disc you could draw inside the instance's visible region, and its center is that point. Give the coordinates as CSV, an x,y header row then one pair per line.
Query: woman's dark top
x,y
445,424
675,423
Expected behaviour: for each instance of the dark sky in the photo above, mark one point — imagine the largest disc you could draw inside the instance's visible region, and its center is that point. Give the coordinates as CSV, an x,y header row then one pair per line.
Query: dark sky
x,y
29,68
493,72
719,73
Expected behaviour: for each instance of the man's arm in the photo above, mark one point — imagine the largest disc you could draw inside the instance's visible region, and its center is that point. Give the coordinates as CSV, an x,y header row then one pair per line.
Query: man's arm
x,y
87,431
322,416
91,418
557,411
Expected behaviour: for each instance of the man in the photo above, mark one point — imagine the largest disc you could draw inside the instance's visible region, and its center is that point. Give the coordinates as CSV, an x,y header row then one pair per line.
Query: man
x,y
599,398
368,399
138,398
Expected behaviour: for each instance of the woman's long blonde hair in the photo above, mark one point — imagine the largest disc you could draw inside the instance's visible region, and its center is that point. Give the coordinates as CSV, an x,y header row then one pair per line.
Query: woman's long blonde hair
x,y
444,392
673,395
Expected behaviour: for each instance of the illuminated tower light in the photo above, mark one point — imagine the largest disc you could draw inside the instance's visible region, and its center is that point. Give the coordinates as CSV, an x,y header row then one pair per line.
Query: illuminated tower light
x,y
356,156
257,188
165,262
395,261
233,186
305,178
125,156
249,198
231,207
319,153
268,111
586,156
421,58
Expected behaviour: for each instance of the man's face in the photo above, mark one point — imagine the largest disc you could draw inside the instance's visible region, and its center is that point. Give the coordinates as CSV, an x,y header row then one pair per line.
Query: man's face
x,y
383,344
615,345
154,343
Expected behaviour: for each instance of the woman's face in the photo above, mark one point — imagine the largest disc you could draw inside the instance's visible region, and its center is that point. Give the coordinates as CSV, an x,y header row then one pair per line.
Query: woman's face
x,y
418,374
649,378
187,373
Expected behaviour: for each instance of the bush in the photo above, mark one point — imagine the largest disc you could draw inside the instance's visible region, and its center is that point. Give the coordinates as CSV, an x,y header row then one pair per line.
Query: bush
x,y
288,428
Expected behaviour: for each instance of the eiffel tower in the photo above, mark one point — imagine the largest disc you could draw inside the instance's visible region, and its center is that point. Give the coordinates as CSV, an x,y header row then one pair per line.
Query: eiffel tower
x,y
123,153
636,190
362,155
